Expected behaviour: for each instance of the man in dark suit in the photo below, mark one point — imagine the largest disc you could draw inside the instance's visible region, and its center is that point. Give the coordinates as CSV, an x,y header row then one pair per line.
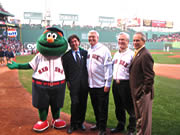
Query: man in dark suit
x,y
141,83
74,63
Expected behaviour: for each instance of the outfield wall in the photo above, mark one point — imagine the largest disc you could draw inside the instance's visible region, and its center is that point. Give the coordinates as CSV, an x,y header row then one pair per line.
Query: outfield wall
x,y
110,45
155,45
29,36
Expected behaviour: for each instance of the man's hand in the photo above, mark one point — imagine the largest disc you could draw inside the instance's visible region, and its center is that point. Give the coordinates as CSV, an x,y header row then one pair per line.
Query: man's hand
x,y
106,89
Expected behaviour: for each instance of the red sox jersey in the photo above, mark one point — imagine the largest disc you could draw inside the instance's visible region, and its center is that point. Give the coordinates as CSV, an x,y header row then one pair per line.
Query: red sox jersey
x,y
47,68
121,64
99,65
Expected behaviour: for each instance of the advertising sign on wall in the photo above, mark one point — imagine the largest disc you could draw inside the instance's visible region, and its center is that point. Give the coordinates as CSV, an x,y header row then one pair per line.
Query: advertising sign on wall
x,y
12,33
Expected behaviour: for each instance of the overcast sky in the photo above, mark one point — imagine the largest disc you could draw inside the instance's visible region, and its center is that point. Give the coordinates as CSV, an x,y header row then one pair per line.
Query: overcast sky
x,y
90,10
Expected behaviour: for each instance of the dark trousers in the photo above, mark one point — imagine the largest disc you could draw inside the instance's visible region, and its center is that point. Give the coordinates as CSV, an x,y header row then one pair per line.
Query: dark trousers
x,y
100,100
45,96
123,102
79,97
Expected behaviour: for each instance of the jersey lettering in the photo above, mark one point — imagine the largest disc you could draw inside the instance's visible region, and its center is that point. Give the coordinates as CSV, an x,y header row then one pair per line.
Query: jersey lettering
x,y
44,69
97,57
123,63
59,70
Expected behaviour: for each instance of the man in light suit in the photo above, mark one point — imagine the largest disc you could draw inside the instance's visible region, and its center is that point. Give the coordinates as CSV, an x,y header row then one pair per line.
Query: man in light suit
x,y
74,64
141,83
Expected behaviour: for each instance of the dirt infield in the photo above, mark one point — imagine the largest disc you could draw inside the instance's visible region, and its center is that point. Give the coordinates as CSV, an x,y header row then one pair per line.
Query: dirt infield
x,y
17,115
168,70
174,56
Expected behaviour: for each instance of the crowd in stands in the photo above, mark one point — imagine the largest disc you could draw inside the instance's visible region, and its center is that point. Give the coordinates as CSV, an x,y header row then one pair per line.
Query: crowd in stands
x,y
175,37
12,43
3,20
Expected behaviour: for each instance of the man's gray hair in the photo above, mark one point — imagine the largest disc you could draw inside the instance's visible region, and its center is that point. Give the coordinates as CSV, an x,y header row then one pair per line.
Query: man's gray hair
x,y
143,36
93,31
123,33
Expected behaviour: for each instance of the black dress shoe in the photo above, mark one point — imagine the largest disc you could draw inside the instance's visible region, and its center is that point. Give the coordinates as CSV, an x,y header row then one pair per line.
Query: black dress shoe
x,y
116,130
93,128
130,133
102,132
82,127
71,129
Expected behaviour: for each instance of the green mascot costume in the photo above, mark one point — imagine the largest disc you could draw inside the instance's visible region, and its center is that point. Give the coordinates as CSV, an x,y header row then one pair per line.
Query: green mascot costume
x,y
48,79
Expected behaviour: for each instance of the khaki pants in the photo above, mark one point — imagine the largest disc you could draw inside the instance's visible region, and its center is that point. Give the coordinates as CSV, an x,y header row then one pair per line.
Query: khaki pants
x,y
143,111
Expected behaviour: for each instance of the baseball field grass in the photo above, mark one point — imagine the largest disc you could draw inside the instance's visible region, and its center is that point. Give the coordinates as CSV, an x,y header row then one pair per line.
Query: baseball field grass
x,y
165,59
166,104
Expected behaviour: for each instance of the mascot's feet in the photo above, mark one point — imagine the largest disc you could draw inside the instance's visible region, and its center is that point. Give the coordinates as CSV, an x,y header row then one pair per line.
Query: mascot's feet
x,y
58,124
41,126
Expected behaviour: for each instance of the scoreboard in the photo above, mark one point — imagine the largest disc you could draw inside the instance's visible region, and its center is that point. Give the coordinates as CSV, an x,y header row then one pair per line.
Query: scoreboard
x,y
157,23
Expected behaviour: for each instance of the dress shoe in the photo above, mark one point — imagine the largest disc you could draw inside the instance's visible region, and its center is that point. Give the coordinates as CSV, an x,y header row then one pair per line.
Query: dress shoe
x,y
116,130
82,127
71,129
102,132
130,133
93,128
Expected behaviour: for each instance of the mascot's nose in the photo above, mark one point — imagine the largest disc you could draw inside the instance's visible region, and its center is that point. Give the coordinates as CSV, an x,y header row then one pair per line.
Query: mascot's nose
x,y
50,40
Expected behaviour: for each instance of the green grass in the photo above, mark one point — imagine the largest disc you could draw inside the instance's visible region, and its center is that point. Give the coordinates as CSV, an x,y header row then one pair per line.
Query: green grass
x,y
171,50
164,59
25,76
166,104
166,107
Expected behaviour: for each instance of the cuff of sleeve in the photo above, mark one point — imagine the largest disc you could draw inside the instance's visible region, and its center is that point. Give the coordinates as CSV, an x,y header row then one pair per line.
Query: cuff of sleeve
x,y
146,90
108,84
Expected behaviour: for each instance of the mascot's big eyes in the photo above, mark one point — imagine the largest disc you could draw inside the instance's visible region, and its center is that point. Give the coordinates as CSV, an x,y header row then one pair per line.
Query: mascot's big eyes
x,y
53,35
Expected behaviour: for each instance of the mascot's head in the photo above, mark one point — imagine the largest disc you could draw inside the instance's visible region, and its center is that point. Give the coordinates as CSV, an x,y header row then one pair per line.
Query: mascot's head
x,y
52,42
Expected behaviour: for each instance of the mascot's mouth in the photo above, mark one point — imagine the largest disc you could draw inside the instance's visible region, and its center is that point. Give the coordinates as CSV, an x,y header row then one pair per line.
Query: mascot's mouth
x,y
50,46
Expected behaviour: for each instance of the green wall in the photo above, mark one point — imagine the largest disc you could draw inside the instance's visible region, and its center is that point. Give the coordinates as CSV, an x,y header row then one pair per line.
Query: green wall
x,y
108,36
29,34
155,45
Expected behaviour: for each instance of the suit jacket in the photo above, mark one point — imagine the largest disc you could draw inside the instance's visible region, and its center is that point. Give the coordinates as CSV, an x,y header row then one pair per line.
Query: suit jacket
x,y
75,73
142,74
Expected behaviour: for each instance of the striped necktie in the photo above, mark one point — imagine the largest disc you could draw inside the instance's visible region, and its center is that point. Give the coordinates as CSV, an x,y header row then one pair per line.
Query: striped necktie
x,y
77,58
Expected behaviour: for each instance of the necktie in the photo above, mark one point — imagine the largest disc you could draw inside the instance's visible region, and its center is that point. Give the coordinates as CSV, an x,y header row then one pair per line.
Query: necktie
x,y
135,53
77,58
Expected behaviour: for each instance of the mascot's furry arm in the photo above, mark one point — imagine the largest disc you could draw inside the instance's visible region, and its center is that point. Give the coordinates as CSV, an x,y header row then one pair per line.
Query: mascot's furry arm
x,y
15,65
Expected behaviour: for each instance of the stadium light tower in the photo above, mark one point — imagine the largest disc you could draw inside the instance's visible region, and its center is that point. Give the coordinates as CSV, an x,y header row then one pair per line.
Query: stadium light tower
x,y
68,17
47,16
107,20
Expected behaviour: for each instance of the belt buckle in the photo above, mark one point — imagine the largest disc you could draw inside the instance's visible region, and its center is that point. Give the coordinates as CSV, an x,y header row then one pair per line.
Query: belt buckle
x,y
51,84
